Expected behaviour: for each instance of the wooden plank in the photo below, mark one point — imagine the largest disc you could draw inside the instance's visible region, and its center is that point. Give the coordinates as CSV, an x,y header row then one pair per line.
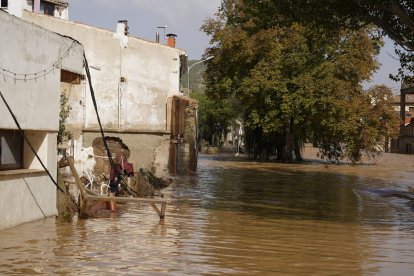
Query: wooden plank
x,y
78,181
83,204
125,199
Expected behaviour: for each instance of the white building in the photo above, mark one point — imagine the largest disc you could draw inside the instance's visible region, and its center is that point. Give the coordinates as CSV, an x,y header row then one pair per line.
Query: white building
x,y
31,59
135,82
56,8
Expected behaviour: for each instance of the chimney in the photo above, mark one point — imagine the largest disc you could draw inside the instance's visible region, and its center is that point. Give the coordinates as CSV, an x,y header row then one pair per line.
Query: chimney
x,y
122,27
157,37
171,40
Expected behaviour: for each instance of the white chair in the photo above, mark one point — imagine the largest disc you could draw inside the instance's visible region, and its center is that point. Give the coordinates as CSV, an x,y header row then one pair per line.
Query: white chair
x,y
91,178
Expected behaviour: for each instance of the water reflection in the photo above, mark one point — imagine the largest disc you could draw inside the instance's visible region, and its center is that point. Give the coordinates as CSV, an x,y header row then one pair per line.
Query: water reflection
x,y
231,218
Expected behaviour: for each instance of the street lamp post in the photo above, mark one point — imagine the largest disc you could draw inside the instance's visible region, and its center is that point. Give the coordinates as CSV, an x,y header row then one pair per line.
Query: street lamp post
x,y
188,71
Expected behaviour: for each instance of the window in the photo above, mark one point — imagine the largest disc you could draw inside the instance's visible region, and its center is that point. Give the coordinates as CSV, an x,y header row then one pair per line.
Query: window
x,y
47,8
4,4
11,150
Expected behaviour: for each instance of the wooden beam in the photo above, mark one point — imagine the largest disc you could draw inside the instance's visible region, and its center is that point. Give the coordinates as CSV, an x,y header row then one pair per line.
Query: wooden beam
x,y
83,204
150,201
156,209
125,199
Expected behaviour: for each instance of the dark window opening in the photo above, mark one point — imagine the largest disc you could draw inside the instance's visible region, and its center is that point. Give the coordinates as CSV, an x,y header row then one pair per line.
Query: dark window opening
x,y
47,8
69,77
11,150
4,3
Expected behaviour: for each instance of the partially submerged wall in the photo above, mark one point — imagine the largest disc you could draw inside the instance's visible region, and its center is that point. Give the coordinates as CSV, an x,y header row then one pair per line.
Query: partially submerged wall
x,y
184,122
27,193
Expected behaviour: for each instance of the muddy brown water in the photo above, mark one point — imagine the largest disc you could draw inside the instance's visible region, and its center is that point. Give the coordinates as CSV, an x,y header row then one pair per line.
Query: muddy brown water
x,y
234,217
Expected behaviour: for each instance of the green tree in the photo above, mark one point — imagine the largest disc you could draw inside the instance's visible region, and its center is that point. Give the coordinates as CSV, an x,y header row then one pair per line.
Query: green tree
x,y
394,17
215,117
294,82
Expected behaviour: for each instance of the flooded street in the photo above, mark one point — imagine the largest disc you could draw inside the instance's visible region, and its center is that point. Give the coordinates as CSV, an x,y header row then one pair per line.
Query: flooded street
x,y
238,217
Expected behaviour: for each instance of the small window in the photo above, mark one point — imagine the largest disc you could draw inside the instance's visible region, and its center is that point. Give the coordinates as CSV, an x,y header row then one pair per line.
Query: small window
x,y
4,3
11,150
47,8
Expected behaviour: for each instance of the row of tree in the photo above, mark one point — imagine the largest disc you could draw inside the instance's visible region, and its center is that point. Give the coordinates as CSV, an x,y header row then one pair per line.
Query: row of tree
x,y
294,69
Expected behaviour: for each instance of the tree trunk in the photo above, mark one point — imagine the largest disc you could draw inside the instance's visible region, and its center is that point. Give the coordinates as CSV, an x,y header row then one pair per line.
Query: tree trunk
x,y
279,151
288,158
297,149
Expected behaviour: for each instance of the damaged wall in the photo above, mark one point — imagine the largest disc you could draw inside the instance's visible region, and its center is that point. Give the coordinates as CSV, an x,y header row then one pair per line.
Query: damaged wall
x,y
144,150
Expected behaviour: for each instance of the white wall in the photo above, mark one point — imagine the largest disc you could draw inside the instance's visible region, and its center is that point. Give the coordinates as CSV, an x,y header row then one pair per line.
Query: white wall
x,y
135,109
26,197
26,48
151,72
28,194
16,7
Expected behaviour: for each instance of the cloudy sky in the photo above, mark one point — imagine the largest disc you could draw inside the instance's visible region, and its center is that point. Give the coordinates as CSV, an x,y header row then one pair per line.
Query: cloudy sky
x,y
182,17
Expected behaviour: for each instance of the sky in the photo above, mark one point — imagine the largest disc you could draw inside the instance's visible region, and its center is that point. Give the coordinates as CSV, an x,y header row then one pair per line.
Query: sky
x,y
184,18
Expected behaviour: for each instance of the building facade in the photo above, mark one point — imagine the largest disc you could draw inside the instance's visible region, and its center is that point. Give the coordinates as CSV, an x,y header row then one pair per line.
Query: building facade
x,y
31,61
404,105
56,8
135,82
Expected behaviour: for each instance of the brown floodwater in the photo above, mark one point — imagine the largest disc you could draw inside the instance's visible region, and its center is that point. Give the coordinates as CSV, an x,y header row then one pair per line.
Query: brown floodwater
x,y
238,217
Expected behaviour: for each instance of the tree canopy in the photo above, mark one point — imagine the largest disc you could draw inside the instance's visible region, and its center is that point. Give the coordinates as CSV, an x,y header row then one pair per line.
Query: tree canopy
x,y
394,17
295,82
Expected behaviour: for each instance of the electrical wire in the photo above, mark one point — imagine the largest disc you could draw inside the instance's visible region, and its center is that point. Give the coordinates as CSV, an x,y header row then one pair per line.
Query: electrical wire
x,y
34,76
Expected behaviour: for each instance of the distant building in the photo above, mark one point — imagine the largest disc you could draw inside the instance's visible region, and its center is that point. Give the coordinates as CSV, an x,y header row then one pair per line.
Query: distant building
x,y
408,107
56,8
137,85
31,61
404,104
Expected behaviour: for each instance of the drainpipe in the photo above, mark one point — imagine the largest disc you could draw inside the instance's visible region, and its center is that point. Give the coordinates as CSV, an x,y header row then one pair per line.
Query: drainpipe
x,y
120,86
36,6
